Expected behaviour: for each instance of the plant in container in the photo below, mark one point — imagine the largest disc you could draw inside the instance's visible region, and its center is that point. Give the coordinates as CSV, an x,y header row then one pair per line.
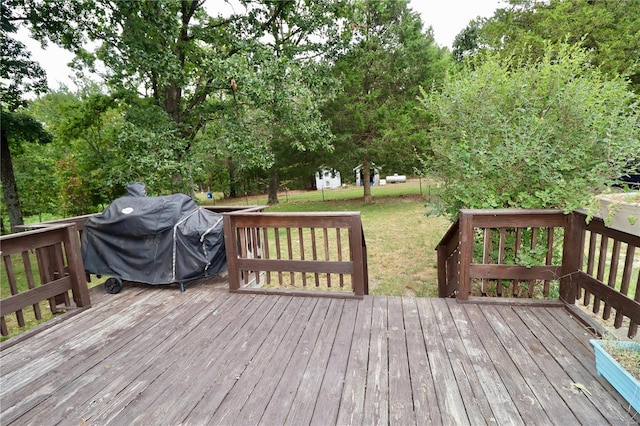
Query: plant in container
x,y
618,362
621,211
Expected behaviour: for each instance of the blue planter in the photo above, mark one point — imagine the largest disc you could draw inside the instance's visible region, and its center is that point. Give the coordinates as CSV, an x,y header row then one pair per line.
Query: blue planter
x,y
619,378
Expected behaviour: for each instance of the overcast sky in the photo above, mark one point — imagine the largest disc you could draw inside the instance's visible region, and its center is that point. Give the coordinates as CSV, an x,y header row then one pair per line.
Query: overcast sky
x,y
446,17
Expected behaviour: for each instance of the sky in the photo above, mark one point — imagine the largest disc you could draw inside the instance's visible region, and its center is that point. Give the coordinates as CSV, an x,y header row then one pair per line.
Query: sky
x,y
446,17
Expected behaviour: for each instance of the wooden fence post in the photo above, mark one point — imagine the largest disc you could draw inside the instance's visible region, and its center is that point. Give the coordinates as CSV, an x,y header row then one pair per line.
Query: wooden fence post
x,y
232,252
466,254
572,256
79,287
359,261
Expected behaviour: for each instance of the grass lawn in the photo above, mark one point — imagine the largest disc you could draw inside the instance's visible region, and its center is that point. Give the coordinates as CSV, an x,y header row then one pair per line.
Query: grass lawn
x,y
400,238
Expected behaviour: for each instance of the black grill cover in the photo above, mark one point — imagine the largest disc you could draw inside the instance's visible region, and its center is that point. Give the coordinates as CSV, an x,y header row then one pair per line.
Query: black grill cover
x,y
154,240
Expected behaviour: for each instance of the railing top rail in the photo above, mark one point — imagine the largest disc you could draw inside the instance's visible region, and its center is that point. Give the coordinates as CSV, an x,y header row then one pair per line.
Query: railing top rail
x,y
451,232
508,212
236,209
37,230
292,214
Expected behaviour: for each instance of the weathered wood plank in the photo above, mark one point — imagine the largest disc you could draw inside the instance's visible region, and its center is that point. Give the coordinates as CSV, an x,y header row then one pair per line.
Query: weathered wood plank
x,y
401,409
248,383
503,408
542,391
578,365
376,400
581,408
425,395
450,402
158,356
275,365
476,403
523,398
328,403
186,375
80,353
93,376
352,401
307,394
140,396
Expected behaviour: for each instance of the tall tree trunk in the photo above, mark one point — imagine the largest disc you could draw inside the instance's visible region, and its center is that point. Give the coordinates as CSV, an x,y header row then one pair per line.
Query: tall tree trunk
x,y
233,192
9,187
274,181
366,178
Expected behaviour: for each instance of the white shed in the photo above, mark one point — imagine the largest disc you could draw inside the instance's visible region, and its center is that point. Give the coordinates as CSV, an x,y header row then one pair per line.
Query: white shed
x,y
374,177
328,178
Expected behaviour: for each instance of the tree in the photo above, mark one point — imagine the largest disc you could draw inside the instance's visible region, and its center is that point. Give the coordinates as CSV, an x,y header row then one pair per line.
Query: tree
x,y
173,56
18,75
374,115
546,134
609,29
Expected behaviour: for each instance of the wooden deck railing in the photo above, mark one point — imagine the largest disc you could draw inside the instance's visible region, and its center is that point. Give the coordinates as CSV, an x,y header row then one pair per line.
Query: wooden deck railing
x,y
53,253
541,254
296,253
608,276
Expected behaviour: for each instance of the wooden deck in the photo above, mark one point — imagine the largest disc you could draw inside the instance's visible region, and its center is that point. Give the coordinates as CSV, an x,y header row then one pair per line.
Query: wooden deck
x,y
152,355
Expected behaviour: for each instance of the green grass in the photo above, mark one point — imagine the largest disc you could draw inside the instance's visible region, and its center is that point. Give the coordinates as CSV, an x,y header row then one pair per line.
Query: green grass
x,y
424,187
400,238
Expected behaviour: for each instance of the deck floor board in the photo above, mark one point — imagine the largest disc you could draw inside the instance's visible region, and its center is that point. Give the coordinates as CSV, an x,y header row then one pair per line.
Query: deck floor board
x,y
155,355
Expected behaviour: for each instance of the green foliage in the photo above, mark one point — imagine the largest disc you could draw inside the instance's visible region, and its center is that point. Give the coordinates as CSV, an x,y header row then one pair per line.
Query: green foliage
x,y
609,29
35,174
374,115
19,74
539,135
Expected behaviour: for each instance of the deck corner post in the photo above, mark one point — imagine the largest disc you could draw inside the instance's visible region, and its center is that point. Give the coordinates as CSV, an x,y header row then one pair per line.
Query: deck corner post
x,y
466,254
231,249
571,257
79,287
441,252
359,257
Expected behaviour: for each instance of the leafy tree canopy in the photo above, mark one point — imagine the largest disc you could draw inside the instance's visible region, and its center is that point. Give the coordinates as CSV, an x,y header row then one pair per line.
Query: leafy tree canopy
x,y
607,28
374,115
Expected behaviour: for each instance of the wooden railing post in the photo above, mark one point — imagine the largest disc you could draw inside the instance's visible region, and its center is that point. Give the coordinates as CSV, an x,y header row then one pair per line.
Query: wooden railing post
x,y
441,252
231,248
358,260
466,254
79,288
572,256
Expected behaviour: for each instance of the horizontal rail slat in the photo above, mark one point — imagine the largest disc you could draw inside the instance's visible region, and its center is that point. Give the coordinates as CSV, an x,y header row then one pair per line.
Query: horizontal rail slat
x,y
515,272
284,265
626,306
42,237
292,220
19,301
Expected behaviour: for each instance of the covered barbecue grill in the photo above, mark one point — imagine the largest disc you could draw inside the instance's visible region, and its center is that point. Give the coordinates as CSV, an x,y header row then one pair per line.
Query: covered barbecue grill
x,y
153,240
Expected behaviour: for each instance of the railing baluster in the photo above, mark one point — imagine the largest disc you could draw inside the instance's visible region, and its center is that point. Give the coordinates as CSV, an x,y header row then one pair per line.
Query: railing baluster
x,y
26,262
626,280
613,273
339,247
516,249
602,264
301,238
11,277
486,254
534,243
548,258
290,255
314,252
327,257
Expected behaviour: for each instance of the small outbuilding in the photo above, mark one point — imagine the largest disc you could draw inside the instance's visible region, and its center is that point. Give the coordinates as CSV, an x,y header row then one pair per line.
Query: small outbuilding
x,y
374,175
328,178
